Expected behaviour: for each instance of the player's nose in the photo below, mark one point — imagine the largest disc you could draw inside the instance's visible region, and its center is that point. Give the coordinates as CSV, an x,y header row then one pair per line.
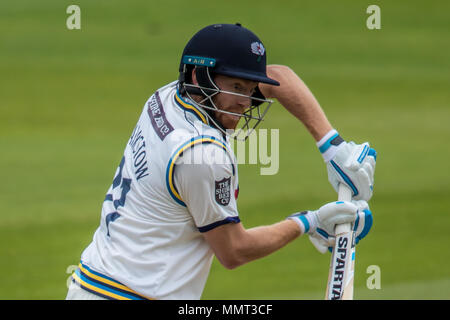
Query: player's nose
x,y
244,102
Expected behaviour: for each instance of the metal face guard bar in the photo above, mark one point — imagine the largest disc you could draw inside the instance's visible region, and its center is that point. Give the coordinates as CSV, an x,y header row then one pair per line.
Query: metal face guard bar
x,y
251,117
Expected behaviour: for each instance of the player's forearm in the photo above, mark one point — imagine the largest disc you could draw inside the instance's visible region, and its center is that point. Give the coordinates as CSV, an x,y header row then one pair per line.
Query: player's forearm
x,y
296,97
264,240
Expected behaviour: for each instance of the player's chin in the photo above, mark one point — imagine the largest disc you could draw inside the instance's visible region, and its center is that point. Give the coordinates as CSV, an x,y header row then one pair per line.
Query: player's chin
x,y
230,121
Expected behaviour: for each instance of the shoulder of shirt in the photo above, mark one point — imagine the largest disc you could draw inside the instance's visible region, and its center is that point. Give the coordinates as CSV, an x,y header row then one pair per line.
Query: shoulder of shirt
x,y
206,143
204,151
193,152
183,105
170,86
198,127
186,133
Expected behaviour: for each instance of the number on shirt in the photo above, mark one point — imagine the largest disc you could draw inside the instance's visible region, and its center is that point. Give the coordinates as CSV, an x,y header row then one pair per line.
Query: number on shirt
x,y
124,184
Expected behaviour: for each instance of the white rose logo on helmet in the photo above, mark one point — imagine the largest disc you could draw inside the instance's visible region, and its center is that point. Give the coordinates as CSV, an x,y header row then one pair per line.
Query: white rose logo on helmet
x,y
258,49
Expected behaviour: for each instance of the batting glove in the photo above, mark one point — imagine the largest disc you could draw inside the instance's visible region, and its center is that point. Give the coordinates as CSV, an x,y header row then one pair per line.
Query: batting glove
x,y
349,163
326,218
323,240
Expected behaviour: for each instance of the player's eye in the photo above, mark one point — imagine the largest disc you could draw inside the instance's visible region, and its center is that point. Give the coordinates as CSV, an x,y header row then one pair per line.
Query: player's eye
x,y
239,89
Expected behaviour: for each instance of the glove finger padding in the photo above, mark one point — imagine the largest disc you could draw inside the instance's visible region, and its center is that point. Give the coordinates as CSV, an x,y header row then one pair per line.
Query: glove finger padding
x,y
349,163
358,155
320,224
324,240
369,170
320,243
364,221
371,161
364,178
335,213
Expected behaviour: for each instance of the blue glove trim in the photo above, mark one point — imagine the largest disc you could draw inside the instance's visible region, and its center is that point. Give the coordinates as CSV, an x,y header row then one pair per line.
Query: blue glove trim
x,y
373,153
355,226
327,143
345,177
363,154
305,222
368,221
322,232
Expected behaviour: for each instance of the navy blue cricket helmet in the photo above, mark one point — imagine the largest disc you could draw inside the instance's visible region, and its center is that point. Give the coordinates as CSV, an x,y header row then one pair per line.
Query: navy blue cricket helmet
x,y
228,49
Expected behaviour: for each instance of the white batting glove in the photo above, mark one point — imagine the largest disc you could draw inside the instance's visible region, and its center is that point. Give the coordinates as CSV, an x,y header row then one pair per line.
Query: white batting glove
x,y
324,241
326,218
349,163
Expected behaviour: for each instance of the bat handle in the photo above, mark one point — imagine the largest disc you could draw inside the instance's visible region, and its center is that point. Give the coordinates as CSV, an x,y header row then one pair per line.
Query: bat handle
x,y
344,194
340,286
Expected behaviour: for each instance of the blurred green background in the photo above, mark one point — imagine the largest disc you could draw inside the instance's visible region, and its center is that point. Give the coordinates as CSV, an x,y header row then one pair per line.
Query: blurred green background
x,y
69,100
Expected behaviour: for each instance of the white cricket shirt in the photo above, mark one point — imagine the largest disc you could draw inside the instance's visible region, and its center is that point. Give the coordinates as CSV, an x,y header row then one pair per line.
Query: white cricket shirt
x,y
177,178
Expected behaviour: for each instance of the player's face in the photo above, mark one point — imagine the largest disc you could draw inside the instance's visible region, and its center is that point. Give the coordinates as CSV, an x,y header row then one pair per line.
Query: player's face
x,y
230,102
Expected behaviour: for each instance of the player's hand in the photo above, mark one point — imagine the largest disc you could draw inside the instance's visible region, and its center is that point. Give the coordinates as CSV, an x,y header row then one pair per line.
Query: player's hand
x,y
349,163
323,240
326,217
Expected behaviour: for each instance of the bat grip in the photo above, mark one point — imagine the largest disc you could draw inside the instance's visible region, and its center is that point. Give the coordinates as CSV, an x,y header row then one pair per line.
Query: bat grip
x,y
344,194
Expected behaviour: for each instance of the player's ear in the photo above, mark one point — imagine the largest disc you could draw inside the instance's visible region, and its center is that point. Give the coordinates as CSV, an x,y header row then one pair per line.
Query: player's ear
x,y
194,76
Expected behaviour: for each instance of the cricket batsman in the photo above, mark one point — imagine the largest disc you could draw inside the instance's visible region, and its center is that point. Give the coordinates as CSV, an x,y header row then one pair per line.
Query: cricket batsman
x,y
172,204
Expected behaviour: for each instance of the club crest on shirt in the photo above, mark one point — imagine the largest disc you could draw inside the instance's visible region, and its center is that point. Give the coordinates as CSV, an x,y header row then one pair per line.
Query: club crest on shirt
x,y
222,191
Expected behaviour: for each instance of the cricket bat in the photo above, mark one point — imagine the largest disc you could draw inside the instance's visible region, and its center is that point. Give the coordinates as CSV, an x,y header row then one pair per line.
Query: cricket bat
x,y
342,265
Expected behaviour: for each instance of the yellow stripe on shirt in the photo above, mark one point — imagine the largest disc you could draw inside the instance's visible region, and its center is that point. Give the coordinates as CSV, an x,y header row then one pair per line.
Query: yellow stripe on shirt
x,y
98,290
190,108
104,285
172,161
104,280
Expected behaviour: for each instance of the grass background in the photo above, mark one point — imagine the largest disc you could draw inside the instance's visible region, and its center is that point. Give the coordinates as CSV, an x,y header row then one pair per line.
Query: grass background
x,y
70,99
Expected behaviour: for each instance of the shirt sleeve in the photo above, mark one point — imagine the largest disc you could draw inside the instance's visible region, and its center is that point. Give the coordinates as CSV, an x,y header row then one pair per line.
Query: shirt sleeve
x,y
206,181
